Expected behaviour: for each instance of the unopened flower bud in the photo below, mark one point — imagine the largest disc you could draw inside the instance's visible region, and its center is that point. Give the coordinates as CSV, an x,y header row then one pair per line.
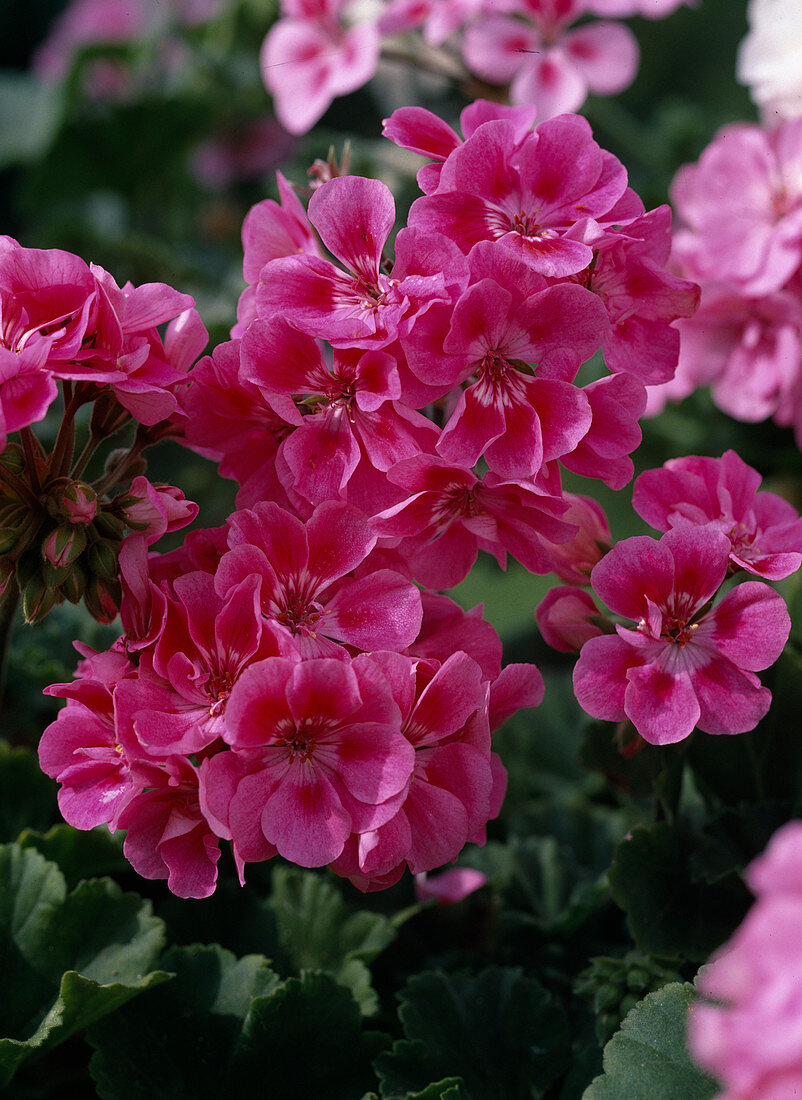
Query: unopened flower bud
x,y
38,599
79,502
9,537
102,599
107,526
102,557
63,545
13,458
73,586
573,560
568,617
29,565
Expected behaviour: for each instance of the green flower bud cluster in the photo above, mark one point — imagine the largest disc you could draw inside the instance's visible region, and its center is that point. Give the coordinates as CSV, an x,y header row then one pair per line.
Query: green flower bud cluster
x,y
615,985
61,544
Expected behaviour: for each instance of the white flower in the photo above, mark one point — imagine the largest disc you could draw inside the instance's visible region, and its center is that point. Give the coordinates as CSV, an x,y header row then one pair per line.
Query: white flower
x,y
770,58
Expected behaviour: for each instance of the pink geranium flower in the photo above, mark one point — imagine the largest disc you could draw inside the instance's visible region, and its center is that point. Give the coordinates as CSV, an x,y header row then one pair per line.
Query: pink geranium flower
x,y
307,589
751,1039
682,666
452,514
546,64
764,530
567,617
319,755
310,57
361,306
539,197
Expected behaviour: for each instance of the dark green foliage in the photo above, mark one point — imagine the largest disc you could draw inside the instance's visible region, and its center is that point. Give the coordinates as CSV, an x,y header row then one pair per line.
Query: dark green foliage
x,y
67,959
230,1025
647,1057
500,1032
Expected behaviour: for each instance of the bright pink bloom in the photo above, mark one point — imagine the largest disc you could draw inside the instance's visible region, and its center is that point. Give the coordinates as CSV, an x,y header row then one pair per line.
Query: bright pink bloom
x,y
447,628
567,617
307,591
425,133
82,749
546,64
764,530
353,430
540,197
177,704
681,666
752,1039
641,298
309,58
319,755
617,403
451,515
167,835
444,720
360,307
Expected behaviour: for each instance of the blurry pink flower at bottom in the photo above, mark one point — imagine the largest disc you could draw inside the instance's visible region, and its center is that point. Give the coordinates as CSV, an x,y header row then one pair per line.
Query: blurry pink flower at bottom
x,y
682,666
751,1040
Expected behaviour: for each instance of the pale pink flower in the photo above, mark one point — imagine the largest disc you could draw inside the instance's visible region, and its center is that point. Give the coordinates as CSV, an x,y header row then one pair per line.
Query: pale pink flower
x,y
310,57
546,64
752,1038
682,666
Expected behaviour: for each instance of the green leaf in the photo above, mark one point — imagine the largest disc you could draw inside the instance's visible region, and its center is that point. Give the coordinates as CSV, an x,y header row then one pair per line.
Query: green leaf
x,y
27,795
227,1026
669,914
317,932
67,959
499,1031
79,854
647,1058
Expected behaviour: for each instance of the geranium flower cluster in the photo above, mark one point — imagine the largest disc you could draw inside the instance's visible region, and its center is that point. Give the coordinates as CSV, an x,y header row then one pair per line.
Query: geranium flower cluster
x,y
279,688
321,49
740,237
686,663
283,683
751,1039
68,327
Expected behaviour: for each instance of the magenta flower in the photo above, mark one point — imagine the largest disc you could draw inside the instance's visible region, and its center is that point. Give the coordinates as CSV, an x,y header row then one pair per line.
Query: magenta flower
x,y
764,530
682,666
306,588
318,755
540,196
360,306
451,515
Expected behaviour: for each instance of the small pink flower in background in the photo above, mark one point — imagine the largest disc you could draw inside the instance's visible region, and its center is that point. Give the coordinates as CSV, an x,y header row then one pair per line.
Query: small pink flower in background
x,y
449,887
752,1038
765,531
573,559
682,666
546,64
310,57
